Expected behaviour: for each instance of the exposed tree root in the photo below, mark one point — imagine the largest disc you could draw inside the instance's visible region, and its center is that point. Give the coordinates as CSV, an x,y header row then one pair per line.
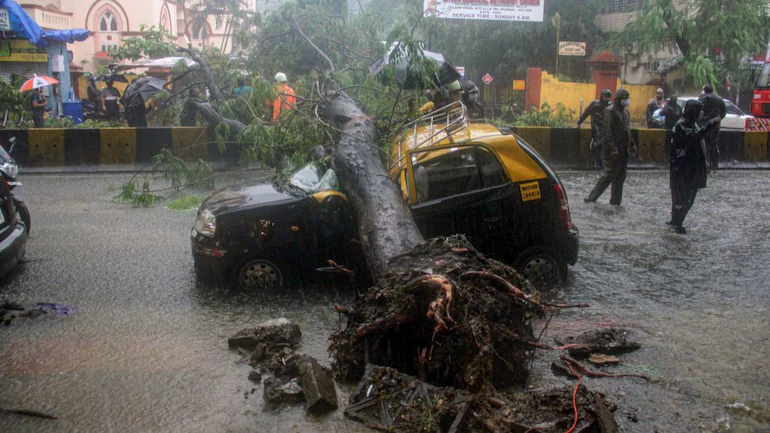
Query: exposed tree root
x,y
440,314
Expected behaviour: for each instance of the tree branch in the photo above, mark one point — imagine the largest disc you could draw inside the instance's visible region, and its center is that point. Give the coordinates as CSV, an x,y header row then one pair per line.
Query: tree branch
x,y
296,25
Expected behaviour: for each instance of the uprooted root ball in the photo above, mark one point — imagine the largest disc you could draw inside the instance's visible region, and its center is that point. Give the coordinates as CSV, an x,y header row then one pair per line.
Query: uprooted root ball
x,y
445,313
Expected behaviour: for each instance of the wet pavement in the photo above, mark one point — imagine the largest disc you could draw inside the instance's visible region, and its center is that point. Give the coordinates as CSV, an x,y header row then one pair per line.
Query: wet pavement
x,y
146,350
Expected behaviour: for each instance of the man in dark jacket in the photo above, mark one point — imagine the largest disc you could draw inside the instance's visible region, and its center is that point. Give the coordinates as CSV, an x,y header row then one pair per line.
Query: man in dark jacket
x,y
688,161
713,108
671,113
616,145
596,110
655,103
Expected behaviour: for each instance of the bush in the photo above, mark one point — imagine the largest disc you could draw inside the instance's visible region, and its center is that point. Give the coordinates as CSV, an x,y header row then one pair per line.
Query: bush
x,y
546,116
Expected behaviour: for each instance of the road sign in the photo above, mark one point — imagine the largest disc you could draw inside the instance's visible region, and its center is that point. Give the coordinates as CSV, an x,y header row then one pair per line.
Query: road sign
x,y
519,85
572,48
487,79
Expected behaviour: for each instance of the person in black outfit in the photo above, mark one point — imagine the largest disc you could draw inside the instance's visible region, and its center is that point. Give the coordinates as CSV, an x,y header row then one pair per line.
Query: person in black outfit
x,y
671,112
616,145
109,98
189,114
596,110
38,107
688,161
713,108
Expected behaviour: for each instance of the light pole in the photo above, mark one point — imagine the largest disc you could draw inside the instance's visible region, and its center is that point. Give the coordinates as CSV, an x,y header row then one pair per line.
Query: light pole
x,y
556,21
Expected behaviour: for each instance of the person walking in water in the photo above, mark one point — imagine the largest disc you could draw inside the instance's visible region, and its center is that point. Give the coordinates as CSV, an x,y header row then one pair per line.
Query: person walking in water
x,y
688,169
616,145
714,107
596,110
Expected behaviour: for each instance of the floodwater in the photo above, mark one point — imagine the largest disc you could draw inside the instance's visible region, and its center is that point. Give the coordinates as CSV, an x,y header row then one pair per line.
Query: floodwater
x,y
146,350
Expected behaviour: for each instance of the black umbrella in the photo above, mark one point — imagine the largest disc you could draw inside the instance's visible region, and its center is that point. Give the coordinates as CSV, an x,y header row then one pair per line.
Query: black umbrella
x,y
115,78
409,74
141,90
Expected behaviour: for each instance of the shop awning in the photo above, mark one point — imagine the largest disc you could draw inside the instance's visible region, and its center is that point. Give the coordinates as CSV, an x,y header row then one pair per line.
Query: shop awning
x,y
23,26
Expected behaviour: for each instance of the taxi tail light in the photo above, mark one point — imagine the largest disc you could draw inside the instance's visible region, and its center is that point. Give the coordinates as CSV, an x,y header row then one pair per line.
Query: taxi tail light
x,y
561,199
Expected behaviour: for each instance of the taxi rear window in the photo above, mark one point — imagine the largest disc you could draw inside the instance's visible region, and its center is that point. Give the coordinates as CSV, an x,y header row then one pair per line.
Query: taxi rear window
x,y
460,171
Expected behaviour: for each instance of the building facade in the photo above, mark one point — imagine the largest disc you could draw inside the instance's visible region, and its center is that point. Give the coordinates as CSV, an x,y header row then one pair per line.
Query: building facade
x,y
112,21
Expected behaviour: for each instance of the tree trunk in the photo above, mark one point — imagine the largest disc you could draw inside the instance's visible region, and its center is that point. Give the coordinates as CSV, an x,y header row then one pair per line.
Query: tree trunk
x,y
214,92
385,223
668,17
213,118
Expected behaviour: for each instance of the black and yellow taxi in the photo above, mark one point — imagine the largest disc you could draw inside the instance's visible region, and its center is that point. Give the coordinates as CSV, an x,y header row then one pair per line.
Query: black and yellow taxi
x,y
457,176
486,182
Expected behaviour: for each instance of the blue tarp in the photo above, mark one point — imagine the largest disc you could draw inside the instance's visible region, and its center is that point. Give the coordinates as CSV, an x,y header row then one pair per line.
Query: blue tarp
x,y
23,25
68,36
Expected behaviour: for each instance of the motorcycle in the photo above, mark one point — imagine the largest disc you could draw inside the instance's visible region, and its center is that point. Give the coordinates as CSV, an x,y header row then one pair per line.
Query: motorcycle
x,y
9,170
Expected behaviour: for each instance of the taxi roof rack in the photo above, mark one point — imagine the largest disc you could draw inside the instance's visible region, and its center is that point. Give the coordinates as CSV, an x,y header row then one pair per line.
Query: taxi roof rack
x,y
446,121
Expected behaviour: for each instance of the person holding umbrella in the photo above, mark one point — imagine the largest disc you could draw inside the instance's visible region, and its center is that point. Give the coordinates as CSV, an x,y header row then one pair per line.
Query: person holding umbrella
x,y
137,94
39,100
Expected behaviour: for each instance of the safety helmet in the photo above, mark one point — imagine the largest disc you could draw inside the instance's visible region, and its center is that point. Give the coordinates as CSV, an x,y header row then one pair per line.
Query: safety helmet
x,y
280,77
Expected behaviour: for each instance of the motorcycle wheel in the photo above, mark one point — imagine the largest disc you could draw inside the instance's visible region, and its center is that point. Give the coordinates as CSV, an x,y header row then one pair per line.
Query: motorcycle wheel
x,y
23,212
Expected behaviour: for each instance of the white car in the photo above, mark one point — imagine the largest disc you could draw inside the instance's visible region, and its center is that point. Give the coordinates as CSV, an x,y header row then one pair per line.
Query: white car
x,y
735,120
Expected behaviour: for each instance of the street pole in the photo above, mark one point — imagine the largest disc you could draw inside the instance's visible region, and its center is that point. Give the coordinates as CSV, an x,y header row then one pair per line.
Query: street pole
x,y
556,21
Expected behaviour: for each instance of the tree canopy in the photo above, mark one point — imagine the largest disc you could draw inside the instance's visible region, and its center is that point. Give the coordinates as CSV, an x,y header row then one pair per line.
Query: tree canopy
x,y
713,36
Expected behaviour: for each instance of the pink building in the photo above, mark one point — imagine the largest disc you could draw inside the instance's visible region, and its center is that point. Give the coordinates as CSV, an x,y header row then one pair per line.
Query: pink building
x,y
111,21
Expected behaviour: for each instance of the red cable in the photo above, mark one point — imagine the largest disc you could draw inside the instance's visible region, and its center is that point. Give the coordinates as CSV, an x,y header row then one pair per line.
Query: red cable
x,y
574,397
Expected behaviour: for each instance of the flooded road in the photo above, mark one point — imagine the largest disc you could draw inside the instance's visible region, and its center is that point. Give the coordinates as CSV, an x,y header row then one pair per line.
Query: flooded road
x,y
699,302
146,350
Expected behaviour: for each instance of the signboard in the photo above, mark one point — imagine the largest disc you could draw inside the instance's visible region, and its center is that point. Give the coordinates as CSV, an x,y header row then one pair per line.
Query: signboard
x,y
497,10
16,50
461,71
487,79
5,20
572,48
519,85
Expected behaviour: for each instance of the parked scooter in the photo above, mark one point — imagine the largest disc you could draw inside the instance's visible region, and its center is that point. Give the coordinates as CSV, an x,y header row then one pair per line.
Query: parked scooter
x,y
10,170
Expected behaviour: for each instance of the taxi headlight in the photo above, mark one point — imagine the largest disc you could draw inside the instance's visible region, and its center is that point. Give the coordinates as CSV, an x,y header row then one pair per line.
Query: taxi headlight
x,y
206,223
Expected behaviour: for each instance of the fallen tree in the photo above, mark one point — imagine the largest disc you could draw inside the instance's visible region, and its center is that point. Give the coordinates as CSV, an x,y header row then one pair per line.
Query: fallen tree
x,y
439,309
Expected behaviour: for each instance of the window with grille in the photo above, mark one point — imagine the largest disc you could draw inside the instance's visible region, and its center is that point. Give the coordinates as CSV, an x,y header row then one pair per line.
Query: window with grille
x,y
108,23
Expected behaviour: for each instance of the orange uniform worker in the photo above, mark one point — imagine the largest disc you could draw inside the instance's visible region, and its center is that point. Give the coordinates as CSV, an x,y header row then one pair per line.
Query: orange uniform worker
x,y
285,99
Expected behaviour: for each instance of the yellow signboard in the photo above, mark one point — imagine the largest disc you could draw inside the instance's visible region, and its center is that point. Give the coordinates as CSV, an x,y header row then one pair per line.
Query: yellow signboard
x,y
15,50
530,191
519,85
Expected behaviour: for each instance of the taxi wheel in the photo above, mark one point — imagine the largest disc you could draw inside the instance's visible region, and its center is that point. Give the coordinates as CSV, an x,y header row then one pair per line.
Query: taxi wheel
x,y
541,265
261,274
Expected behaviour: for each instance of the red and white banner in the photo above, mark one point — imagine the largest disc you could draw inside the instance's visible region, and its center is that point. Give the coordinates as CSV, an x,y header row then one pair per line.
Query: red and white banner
x,y
495,10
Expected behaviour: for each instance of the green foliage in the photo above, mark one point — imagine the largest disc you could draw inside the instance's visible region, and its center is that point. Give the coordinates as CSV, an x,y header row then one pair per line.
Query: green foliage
x,y
177,171
155,42
558,117
19,105
187,202
131,192
698,28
